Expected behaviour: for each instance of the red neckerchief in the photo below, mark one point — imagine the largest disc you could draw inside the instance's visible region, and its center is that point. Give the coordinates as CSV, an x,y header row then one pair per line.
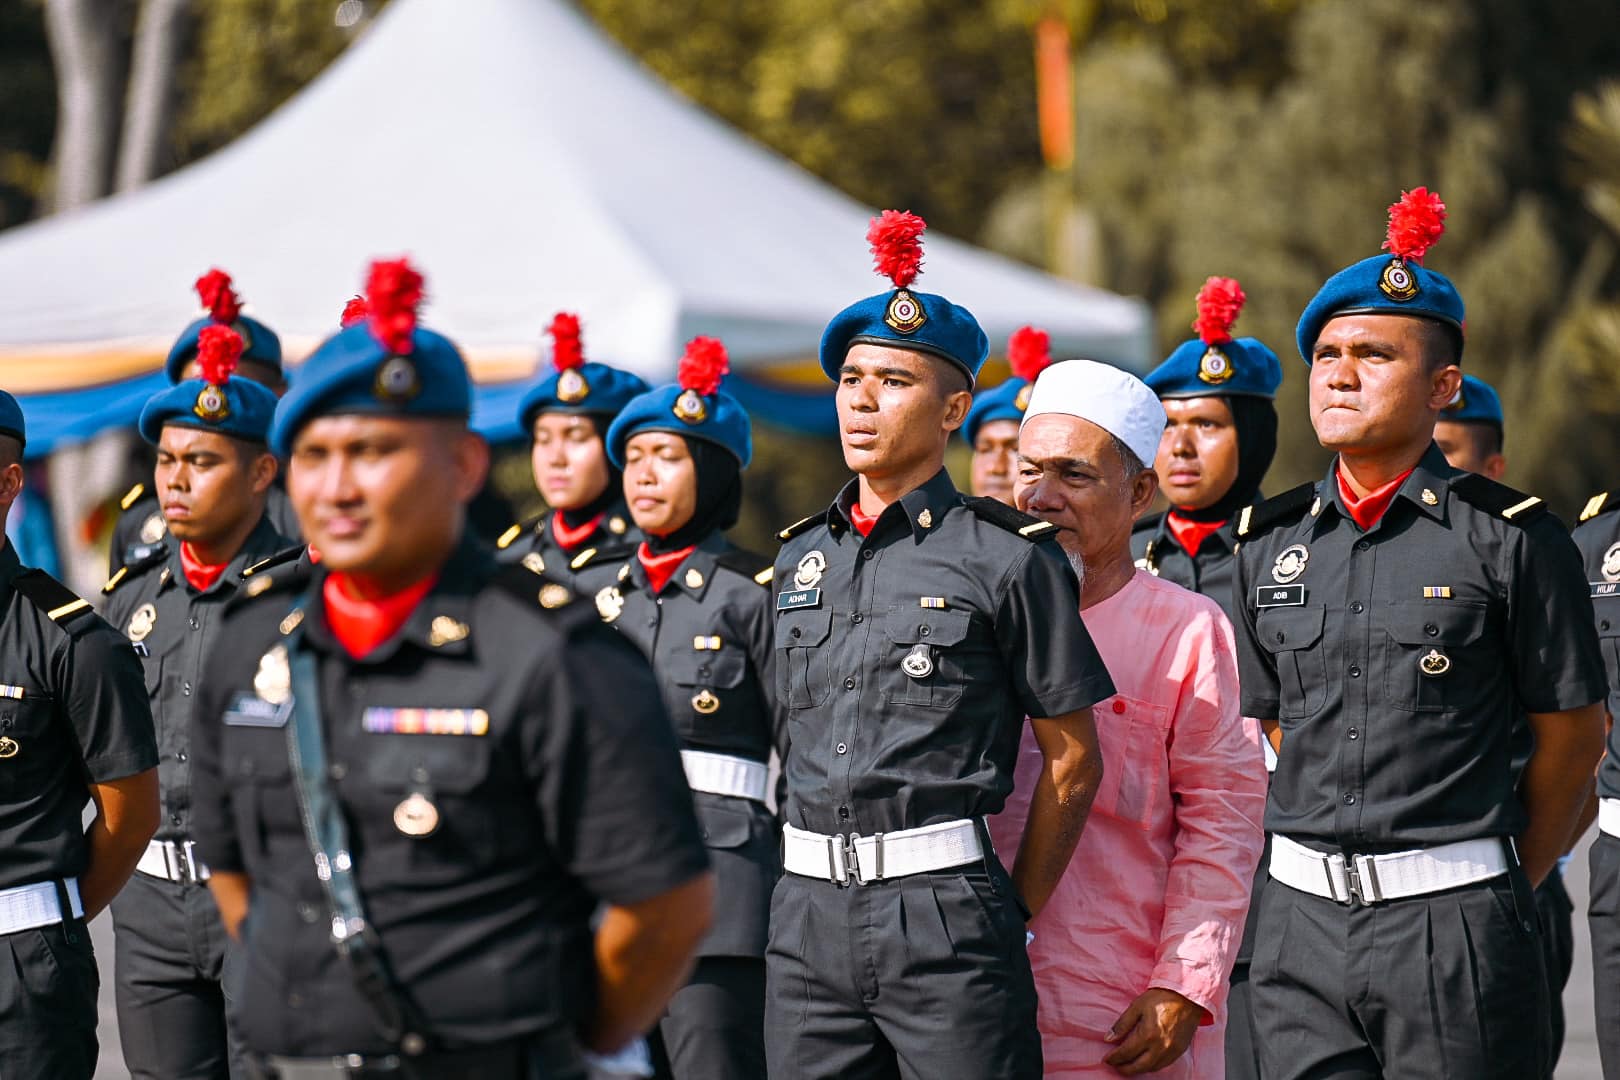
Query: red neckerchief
x,y
569,539
862,521
1190,534
660,568
362,625
200,574
1368,509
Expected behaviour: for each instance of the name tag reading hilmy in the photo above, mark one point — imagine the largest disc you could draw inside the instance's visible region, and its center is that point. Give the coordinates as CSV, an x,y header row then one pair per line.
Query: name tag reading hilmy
x,y
1605,588
251,710
798,598
1279,596
385,721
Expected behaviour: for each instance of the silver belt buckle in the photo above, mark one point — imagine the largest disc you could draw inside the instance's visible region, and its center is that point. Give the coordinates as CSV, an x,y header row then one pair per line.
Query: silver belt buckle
x,y
1362,874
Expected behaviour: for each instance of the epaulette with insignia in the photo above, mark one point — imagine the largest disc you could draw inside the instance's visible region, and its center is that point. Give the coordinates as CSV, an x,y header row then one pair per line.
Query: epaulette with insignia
x,y
289,576
580,561
522,584
147,556
1011,519
748,564
1289,506
1498,499
1596,505
517,529
801,525
132,496
61,605
280,558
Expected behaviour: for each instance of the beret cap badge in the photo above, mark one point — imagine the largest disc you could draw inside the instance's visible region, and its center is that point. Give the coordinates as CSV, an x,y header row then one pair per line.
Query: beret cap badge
x,y
905,314
568,356
397,380
1219,302
895,237
1416,220
219,347
1213,367
703,365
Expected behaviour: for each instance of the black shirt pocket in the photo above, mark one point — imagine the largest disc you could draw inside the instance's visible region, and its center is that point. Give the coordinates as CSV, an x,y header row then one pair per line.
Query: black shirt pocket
x,y
926,665
456,831
260,777
1433,657
1293,636
804,657
702,687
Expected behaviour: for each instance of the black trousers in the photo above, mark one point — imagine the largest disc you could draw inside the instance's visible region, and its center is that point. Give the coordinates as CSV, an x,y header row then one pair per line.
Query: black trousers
x,y
169,953
919,978
1242,1055
48,987
1603,918
714,1028
1446,985
1556,912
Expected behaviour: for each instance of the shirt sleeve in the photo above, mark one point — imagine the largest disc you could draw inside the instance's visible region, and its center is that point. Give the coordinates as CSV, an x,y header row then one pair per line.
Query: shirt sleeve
x,y
1218,783
611,790
1054,665
103,692
1257,668
1558,661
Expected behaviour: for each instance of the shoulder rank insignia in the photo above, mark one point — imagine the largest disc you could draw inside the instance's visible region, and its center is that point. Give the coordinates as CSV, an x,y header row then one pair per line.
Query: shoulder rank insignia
x,y
285,555
1261,516
801,525
748,564
1014,521
584,557
1594,506
132,496
1498,499
511,534
764,576
60,604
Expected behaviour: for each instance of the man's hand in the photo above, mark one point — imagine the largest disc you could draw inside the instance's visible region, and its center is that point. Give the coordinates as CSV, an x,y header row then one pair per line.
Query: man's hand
x,y
1153,1032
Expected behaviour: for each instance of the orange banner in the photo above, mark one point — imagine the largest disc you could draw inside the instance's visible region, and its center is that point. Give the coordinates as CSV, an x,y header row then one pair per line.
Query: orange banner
x,y
1054,92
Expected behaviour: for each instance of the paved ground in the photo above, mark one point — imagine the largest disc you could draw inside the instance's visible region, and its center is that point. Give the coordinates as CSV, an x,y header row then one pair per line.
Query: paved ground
x,y
1580,1060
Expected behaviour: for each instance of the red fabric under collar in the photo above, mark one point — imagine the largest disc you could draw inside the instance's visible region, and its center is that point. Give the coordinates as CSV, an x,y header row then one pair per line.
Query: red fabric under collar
x,y
569,539
862,521
200,574
1190,534
660,568
1368,509
362,625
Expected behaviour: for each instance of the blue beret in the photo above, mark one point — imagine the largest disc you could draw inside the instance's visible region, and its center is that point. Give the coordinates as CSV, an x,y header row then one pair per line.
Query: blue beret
x,y
1005,402
11,418
1381,285
903,319
259,343
1476,403
1241,366
592,388
354,372
715,418
241,409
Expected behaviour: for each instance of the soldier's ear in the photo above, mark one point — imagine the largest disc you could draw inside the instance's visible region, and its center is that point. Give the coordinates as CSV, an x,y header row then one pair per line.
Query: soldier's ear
x,y
957,404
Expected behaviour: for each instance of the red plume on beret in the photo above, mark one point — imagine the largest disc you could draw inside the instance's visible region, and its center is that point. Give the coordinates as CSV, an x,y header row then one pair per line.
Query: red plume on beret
x,y
218,349
896,239
354,311
1416,221
214,288
703,365
393,292
1029,352
567,351
1219,302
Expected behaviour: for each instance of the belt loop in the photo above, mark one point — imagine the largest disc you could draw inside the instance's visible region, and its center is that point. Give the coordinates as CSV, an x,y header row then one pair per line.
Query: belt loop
x,y
66,903
878,845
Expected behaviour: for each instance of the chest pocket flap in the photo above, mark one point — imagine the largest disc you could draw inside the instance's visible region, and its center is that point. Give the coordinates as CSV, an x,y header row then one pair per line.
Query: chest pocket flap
x,y
1290,629
452,764
1432,622
924,626
721,668
799,629
803,681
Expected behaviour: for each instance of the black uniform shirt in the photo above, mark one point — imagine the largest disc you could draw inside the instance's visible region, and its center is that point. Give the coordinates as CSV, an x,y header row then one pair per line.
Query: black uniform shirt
x,y
584,569
1157,551
562,789
1598,537
140,526
987,619
1398,660
73,712
172,626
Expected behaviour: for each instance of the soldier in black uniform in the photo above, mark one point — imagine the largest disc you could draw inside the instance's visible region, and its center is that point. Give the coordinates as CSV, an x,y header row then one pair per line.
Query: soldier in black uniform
x,y
1398,621
915,630
586,535
74,727
1598,537
1470,434
1218,442
214,472
699,607
991,427
141,527
414,784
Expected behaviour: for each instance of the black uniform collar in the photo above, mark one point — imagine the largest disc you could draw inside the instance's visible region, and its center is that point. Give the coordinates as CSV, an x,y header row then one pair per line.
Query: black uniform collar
x,y
695,572
1427,488
261,543
924,507
614,529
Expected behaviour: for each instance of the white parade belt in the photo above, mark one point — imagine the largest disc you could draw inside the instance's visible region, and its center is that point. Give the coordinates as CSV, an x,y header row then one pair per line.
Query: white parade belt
x,y
172,860
861,859
29,906
1369,879
1609,817
722,774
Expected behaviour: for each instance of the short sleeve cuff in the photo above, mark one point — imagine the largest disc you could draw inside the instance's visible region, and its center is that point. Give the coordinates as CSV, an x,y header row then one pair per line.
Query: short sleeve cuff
x,y
637,882
109,767
1070,699
1565,698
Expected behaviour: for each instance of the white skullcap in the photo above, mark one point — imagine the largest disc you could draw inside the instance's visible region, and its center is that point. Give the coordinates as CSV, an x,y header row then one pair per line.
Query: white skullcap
x,y
1114,400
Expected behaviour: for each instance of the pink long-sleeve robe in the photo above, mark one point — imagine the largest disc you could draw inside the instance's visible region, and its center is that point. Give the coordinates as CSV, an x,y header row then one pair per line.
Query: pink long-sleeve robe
x,y
1157,891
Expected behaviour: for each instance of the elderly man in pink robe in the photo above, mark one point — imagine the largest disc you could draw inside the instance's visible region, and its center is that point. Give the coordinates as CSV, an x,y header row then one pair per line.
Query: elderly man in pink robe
x,y
1132,953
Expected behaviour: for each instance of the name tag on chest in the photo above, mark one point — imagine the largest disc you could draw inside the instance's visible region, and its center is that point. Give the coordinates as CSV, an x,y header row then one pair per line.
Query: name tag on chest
x,y
1605,588
1279,596
798,598
250,710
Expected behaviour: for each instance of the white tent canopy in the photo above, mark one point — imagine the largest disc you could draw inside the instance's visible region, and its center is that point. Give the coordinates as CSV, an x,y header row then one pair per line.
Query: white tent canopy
x,y
527,165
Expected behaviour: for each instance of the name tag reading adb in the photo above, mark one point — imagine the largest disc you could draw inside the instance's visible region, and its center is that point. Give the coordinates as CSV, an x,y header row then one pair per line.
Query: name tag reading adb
x,y
1279,596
